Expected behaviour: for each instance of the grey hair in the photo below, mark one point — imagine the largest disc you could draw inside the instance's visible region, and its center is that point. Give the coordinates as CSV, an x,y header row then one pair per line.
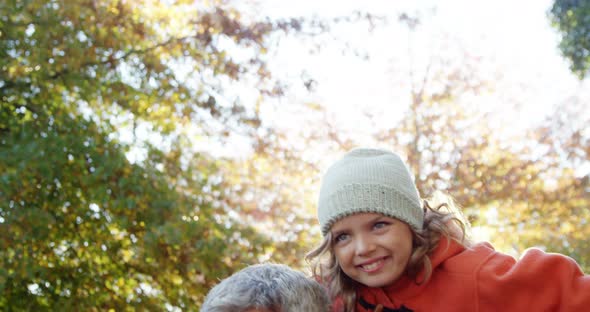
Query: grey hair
x,y
272,287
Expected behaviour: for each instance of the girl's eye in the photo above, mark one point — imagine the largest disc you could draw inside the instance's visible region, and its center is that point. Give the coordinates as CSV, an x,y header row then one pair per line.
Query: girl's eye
x,y
380,225
340,238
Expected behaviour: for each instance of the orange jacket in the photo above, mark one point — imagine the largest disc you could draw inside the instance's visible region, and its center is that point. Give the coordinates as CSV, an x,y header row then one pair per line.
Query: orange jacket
x,y
481,279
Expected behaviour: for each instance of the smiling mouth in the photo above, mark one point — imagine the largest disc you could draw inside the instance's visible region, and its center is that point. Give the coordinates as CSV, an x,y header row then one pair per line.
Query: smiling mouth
x,y
373,266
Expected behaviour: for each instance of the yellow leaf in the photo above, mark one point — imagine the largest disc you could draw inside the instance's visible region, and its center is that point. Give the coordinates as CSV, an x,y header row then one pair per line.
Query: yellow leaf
x,y
176,280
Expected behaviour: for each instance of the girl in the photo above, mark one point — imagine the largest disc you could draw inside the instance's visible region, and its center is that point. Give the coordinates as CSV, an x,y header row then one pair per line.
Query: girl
x,y
387,250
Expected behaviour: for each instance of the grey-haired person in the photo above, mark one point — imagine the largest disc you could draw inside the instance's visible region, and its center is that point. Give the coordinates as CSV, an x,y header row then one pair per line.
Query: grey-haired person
x,y
267,287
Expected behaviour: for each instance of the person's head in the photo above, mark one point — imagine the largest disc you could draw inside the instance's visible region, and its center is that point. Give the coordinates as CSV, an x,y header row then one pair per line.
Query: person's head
x,y
376,227
267,288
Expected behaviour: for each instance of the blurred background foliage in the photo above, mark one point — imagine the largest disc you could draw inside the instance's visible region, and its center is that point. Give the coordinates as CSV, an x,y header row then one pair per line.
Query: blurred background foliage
x,y
570,18
106,203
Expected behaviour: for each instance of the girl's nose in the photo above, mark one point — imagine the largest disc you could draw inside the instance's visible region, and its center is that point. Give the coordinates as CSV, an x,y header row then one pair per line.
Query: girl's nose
x,y
364,245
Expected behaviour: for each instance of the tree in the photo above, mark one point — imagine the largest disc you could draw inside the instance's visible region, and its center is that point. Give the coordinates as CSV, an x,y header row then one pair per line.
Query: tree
x,y
167,63
83,229
570,18
273,190
561,212
82,226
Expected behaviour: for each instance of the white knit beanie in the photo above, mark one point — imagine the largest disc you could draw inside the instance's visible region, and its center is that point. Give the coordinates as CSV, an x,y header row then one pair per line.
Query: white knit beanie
x,y
369,180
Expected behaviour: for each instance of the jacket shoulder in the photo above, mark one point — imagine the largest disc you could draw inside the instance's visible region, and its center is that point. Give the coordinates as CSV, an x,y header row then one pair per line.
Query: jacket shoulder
x,y
470,259
537,281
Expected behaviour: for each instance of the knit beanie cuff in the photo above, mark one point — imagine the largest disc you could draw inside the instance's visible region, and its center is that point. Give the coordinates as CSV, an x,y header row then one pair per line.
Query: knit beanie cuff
x,y
358,198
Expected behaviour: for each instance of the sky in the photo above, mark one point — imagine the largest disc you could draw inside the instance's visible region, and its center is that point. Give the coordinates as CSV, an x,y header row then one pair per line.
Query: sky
x,y
512,39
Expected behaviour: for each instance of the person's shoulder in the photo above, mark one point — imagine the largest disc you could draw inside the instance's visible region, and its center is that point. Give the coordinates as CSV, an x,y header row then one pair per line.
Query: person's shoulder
x,y
536,281
470,258
536,258
482,248
532,261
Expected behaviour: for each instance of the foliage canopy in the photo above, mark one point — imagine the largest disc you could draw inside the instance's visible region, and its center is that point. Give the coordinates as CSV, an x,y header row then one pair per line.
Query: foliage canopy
x,y
570,18
82,227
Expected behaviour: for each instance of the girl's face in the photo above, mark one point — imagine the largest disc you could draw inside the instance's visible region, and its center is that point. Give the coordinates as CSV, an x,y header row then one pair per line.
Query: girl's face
x,y
371,248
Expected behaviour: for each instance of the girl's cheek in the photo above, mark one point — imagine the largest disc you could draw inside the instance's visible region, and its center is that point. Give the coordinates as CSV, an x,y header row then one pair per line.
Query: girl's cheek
x,y
343,251
338,251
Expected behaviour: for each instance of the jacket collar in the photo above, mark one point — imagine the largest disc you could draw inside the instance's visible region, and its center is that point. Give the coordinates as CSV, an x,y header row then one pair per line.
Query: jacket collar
x,y
406,287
